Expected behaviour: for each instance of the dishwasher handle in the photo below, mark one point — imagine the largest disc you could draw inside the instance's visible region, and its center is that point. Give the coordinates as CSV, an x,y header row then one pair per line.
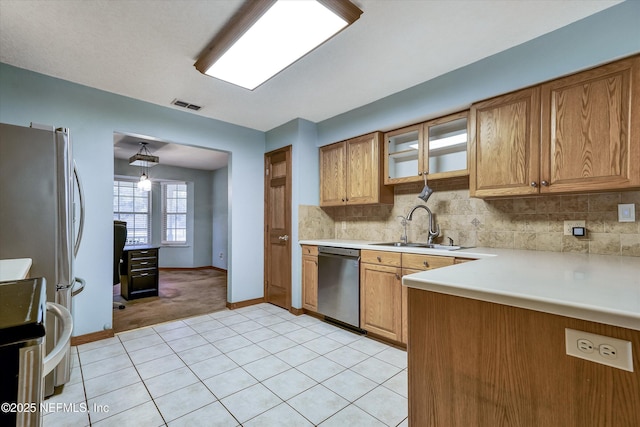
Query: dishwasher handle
x,y
343,252
340,256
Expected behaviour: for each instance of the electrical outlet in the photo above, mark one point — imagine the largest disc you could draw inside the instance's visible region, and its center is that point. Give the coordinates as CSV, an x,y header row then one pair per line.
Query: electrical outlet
x,y
585,346
220,255
568,226
608,351
600,349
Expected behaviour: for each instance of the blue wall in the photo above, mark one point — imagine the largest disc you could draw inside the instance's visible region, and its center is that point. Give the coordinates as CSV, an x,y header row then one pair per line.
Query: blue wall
x,y
220,199
93,116
603,37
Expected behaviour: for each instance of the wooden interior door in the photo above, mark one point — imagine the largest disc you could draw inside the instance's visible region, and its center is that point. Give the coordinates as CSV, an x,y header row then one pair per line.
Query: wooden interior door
x,y
277,229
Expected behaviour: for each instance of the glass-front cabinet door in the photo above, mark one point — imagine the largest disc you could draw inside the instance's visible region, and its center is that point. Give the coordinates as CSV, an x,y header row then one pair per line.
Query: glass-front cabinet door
x,y
403,152
447,144
437,148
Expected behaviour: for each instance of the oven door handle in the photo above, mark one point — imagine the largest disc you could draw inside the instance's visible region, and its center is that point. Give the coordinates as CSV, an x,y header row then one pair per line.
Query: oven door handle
x,y
61,348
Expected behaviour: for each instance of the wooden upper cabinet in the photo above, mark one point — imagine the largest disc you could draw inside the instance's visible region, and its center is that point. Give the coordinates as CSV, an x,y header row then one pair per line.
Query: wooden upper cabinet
x,y
504,154
591,129
445,153
403,153
350,173
437,148
332,175
574,134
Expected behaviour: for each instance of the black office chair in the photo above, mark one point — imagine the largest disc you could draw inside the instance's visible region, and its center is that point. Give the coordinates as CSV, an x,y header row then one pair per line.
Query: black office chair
x,y
119,239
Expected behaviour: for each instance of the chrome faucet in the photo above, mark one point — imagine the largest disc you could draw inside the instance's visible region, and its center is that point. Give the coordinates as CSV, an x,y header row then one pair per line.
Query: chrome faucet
x,y
403,221
432,233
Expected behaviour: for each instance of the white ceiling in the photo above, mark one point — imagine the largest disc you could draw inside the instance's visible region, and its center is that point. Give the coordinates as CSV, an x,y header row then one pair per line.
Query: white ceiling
x,y
185,156
145,49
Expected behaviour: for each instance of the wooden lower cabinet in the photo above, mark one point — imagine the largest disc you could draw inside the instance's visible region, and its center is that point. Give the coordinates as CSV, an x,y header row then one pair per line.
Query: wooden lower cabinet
x,y
415,263
381,300
310,278
475,363
405,306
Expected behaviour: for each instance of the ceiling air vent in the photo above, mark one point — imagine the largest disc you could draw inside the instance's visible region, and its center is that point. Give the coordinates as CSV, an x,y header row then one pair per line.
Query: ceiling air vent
x,y
186,105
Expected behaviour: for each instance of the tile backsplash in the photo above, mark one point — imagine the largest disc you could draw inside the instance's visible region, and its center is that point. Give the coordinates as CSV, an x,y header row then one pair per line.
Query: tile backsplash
x,y
534,223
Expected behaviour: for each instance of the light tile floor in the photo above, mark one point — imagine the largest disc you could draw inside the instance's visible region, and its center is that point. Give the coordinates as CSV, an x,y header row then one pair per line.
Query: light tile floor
x,y
254,366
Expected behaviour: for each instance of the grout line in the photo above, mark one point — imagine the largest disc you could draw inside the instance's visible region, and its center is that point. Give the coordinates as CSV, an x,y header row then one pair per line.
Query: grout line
x,y
301,326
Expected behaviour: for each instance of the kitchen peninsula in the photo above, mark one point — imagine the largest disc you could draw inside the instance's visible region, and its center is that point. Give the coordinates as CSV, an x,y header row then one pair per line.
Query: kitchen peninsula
x,y
487,341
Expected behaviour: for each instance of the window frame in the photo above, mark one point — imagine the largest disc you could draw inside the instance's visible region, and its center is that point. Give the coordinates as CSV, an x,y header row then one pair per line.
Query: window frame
x,y
165,214
117,214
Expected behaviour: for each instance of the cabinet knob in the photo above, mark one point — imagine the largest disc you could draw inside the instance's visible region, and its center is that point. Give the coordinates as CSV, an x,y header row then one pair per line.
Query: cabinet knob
x,y
425,263
379,259
534,184
285,237
419,173
545,183
397,276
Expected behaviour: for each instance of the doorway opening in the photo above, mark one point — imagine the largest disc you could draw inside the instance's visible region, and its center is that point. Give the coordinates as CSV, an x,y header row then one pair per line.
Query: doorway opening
x,y
173,263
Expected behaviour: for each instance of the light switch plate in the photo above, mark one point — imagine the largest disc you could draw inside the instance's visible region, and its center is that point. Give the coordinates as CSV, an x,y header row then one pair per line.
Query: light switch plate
x,y
627,213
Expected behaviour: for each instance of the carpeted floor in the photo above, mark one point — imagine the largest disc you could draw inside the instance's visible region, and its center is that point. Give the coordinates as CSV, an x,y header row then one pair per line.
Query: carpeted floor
x,y
182,293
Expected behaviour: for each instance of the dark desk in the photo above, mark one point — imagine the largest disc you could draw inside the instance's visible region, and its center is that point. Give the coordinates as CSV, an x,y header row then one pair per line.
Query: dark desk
x,y
139,272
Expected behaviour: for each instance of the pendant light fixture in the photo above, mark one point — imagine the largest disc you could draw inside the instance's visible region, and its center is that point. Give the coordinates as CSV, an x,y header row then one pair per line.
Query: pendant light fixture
x,y
266,36
145,160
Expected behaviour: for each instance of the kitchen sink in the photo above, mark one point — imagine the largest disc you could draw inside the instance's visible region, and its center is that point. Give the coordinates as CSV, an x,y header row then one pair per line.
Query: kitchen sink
x,y
419,245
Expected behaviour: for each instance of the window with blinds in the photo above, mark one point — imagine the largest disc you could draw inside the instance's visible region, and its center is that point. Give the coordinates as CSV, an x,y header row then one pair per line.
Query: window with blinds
x,y
174,213
132,205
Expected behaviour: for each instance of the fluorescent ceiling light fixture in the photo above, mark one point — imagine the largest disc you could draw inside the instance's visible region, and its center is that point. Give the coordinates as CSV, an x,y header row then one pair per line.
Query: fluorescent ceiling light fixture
x,y
266,36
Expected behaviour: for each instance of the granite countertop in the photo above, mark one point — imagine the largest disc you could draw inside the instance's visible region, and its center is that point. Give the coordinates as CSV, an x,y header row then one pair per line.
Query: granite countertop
x,y
14,269
598,288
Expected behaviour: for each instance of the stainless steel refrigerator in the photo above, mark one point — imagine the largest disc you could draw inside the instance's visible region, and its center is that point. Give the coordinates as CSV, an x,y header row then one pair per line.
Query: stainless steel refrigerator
x,y
40,193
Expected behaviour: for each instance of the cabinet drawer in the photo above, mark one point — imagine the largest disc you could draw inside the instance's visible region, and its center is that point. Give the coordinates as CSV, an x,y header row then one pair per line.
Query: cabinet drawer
x,y
144,263
393,259
140,274
309,250
425,262
143,253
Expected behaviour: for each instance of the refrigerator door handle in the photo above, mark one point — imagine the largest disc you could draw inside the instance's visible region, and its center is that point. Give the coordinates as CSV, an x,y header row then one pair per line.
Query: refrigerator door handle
x,y
61,348
75,291
81,194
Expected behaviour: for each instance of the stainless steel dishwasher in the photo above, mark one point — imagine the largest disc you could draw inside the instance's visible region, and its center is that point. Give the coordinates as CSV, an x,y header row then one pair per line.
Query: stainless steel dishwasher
x,y
339,284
